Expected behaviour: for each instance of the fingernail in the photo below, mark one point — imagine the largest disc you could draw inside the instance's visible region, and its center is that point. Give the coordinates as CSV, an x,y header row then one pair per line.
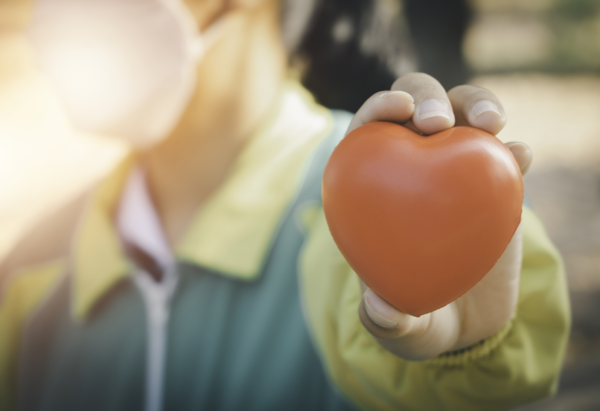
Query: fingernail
x,y
374,306
433,108
397,93
518,147
484,106
521,151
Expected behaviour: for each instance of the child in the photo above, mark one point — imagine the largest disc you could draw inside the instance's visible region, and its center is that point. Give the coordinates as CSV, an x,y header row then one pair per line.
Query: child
x,y
200,274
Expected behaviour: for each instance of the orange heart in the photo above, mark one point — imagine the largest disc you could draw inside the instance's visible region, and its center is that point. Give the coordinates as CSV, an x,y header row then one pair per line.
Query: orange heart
x,y
421,219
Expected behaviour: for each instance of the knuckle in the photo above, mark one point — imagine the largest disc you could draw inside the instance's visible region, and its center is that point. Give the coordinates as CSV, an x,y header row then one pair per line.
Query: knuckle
x,y
461,89
413,77
378,94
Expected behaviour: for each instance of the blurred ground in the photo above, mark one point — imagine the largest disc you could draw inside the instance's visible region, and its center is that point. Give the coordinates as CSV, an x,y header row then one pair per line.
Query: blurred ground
x,y
43,162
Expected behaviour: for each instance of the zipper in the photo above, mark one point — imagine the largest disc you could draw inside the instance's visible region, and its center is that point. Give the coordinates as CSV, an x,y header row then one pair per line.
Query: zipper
x,y
157,299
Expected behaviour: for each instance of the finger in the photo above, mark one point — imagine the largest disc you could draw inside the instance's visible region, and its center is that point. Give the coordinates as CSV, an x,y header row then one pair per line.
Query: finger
x,y
477,107
433,111
522,153
383,320
382,313
394,106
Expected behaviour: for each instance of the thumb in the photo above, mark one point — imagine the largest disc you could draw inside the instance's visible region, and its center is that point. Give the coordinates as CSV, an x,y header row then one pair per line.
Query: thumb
x,y
384,321
408,337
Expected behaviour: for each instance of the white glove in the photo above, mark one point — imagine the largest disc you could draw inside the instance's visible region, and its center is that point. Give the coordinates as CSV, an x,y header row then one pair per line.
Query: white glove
x,y
421,103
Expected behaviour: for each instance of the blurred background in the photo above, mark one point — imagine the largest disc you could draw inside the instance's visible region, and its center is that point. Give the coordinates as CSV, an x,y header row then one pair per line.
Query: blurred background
x,y
541,57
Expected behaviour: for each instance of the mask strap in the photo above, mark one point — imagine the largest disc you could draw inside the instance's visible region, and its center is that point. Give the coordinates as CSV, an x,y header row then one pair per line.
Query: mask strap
x,y
205,40
199,43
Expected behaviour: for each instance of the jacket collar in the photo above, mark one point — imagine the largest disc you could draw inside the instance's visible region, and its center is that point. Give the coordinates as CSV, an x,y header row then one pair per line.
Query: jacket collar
x,y
138,223
232,233
98,261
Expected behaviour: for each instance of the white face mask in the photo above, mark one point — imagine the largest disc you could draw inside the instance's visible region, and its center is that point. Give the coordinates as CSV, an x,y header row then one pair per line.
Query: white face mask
x,y
121,67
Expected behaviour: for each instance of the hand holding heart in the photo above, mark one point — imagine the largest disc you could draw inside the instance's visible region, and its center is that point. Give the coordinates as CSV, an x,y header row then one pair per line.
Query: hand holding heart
x,y
420,103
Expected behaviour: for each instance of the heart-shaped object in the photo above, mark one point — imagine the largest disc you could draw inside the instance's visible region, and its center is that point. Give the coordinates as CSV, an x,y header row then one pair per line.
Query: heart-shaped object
x,y
421,219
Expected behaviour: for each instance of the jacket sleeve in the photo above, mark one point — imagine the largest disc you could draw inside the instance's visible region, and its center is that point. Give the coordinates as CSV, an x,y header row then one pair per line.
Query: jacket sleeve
x,y
519,364
18,300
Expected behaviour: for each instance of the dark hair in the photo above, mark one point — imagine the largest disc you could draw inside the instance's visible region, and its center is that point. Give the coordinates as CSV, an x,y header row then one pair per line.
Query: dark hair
x,y
350,49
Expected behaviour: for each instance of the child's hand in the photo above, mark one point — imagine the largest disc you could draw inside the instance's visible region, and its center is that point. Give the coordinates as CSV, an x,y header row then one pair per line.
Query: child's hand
x,y
420,102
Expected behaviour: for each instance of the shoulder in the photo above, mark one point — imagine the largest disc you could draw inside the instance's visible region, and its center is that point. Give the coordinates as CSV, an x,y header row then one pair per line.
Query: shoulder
x,y
47,241
341,121
315,163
